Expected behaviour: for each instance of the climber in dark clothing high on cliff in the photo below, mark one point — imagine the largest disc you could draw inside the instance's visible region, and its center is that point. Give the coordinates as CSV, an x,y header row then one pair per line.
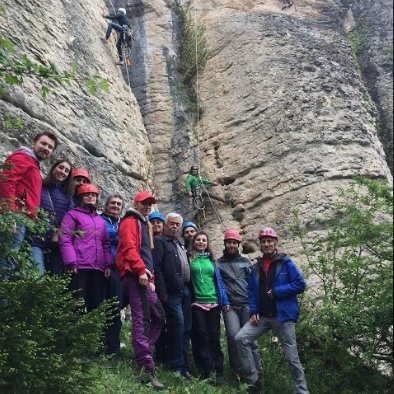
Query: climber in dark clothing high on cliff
x,y
122,24
287,4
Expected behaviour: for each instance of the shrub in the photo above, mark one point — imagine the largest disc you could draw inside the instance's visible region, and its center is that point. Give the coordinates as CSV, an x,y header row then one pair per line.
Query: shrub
x,y
347,323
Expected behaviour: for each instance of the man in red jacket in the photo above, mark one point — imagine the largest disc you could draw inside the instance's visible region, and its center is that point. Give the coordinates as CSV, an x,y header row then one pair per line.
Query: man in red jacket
x,y
135,263
21,183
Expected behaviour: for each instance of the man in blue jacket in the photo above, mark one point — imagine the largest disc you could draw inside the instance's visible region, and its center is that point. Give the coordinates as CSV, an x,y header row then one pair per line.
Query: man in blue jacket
x,y
274,283
111,216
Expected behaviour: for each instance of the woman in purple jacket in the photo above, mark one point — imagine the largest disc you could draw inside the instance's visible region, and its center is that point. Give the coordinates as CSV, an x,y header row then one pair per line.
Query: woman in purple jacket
x,y
86,248
56,201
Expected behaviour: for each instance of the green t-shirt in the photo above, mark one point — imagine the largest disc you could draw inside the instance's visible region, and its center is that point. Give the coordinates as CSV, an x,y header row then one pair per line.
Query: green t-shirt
x,y
203,276
192,181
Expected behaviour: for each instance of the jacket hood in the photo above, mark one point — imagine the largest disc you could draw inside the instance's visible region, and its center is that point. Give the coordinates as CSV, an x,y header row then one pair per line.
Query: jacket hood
x,y
133,212
28,151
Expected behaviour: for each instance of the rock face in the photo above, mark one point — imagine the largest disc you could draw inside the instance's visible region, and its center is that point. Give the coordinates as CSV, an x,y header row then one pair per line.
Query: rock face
x,y
285,115
104,133
374,27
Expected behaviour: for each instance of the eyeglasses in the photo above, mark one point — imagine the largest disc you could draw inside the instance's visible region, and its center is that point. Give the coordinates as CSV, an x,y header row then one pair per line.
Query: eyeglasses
x,y
118,203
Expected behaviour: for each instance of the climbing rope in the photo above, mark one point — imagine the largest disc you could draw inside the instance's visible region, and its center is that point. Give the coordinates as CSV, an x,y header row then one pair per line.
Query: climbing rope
x,y
198,117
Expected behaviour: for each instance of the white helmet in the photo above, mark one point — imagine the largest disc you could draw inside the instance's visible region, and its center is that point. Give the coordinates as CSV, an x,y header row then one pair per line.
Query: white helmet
x,y
122,10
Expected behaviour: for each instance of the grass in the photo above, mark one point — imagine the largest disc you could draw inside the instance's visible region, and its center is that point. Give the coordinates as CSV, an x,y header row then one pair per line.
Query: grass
x,y
121,376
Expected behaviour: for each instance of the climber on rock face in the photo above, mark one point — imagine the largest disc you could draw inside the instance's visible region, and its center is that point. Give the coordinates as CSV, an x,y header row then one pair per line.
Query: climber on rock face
x,y
122,24
194,180
287,4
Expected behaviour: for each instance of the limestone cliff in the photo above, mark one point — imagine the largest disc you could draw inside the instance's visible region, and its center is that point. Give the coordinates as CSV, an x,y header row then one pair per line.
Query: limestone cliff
x,y
286,117
104,133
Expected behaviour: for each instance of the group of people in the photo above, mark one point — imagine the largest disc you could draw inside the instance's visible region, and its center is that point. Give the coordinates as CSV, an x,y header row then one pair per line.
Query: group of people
x,y
159,265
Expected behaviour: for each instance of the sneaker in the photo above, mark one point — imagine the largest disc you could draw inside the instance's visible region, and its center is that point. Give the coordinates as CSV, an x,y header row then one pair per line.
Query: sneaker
x,y
219,380
187,375
156,384
119,63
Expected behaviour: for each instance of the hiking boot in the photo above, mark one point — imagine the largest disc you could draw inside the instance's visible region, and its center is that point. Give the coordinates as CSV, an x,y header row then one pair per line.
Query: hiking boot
x,y
156,384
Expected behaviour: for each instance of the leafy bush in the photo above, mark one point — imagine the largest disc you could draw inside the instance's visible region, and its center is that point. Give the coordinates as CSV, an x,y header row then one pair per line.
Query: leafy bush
x,y
45,337
347,322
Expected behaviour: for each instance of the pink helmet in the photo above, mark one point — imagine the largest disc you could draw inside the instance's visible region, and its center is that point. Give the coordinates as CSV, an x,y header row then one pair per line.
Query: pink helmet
x,y
81,172
88,188
268,232
233,235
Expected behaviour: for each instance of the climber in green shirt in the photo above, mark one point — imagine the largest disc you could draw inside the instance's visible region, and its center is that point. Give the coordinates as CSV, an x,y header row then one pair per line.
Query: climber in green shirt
x,y
194,180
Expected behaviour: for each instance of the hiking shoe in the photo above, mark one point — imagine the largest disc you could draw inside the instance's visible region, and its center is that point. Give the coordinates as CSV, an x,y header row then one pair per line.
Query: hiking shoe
x,y
156,384
219,380
119,63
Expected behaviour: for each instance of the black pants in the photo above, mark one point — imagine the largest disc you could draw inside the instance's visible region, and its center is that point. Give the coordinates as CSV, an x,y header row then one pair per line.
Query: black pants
x,y
119,43
89,284
207,351
114,289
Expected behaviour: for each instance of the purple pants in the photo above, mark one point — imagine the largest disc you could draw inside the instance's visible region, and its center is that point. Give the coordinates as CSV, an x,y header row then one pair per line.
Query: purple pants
x,y
147,317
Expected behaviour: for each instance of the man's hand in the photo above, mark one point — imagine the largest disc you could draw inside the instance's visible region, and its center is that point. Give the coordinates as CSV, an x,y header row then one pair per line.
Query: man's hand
x,y
255,320
107,272
152,286
143,280
73,270
190,194
226,308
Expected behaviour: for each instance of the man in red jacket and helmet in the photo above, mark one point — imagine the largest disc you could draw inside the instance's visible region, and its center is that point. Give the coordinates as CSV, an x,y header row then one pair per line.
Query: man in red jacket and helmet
x,y
21,183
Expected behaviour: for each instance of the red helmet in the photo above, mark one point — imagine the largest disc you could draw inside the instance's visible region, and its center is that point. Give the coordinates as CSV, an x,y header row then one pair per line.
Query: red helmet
x,y
88,188
233,235
268,232
81,172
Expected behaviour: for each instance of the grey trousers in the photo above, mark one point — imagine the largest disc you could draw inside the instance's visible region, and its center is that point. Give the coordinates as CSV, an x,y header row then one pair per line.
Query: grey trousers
x,y
234,320
287,337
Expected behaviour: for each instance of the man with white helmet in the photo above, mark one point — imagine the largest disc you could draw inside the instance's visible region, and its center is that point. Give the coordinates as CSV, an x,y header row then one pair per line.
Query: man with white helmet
x,y
235,270
274,283
121,24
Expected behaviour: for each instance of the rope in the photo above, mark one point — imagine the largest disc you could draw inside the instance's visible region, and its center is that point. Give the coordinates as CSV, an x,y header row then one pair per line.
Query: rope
x,y
198,116
124,59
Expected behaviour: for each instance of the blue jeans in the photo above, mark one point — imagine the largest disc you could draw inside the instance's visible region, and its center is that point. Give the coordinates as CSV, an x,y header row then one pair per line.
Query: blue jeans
x,y
37,254
113,26
16,245
177,337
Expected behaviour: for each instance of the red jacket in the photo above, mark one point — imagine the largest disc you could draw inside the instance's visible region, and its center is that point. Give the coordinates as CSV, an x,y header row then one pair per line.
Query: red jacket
x,y
128,257
22,183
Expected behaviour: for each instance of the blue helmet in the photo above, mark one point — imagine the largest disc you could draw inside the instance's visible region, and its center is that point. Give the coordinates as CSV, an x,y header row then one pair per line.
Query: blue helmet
x,y
157,215
189,224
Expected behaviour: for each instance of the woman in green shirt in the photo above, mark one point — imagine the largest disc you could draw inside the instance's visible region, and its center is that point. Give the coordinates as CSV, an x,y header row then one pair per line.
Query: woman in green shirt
x,y
209,299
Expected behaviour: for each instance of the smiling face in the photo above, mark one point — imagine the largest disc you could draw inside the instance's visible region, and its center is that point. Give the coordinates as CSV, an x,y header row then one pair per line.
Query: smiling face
x,y
200,243
61,172
189,233
268,245
158,226
89,199
114,207
43,147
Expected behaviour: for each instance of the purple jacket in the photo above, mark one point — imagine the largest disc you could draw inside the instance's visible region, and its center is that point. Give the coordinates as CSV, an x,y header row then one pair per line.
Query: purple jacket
x,y
84,242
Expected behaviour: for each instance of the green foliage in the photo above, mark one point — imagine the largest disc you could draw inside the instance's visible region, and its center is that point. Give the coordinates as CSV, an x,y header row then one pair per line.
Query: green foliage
x,y
194,53
347,322
46,339
358,37
14,69
238,215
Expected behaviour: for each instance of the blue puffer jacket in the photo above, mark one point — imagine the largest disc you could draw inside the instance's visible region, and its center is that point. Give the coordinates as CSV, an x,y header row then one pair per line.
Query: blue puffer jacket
x,y
112,227
56,204
287,284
